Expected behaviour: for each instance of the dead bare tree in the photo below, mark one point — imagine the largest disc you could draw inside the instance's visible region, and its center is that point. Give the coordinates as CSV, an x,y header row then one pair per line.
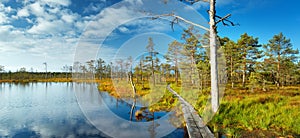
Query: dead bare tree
x,y
213,57
133,93
213,43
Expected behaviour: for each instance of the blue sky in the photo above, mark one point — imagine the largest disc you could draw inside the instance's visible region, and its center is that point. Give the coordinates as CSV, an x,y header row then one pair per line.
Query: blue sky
x,y
60,32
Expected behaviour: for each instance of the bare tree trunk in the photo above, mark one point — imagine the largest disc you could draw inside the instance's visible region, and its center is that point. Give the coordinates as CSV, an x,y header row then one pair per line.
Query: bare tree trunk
x,y
213,58
244,78
244,70
176,74
152,70
231,72
264,85
278,72
130,75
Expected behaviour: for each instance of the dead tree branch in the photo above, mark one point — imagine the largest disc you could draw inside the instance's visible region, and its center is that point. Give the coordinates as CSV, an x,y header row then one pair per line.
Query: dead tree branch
x,y
194,1
225,18
177,18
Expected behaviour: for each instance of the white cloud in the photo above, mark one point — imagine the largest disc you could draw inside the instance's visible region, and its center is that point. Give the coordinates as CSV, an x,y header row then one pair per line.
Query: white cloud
x,y
93,8
3,18
49,27
8,9
200,5
9,34
54,10
55,29
4,11
68,18
57,2
123,29
51,35
134,2
29,20
37,9
49,20
108,20
23,12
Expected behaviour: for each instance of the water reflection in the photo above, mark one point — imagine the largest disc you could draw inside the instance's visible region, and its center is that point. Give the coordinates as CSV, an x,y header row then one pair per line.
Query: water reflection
x,y
42,110
51,110
116,121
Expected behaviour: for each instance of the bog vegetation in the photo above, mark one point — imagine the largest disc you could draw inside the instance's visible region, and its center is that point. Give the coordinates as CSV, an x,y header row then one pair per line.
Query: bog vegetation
x,y
262,96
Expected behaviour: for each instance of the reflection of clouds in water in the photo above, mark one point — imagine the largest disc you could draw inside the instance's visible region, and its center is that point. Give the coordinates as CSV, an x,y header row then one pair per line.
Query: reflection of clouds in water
x,y
34,112
101,116
54,112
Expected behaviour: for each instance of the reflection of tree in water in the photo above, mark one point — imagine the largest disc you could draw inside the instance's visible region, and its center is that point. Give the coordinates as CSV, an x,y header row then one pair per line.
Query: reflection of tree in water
x,y
176,117
132,109
145,114
152,127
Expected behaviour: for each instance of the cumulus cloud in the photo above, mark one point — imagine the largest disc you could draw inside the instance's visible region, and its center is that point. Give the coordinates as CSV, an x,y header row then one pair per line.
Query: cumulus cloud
x,y
134,2
46,36
23,13
37,9
52,27
4,11
57,2
107,20
47,27
69,18
123,29
3,18
93,8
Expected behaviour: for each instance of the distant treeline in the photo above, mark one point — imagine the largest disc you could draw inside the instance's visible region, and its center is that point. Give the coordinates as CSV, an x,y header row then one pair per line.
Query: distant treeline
x,y
243,63
18,76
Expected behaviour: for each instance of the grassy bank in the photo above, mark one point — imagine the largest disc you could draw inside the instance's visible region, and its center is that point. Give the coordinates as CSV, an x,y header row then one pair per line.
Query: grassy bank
x,y
262,114
157,96
242,113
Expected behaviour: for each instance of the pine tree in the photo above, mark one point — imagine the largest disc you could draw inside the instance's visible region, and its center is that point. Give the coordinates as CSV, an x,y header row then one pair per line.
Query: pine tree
x,y
233,56
173,57
248,46
280,52
100,67
191,49
151,59
1,70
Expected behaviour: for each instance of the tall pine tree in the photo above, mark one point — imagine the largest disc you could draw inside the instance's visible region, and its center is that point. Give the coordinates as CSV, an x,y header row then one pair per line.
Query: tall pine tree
x,y
279,52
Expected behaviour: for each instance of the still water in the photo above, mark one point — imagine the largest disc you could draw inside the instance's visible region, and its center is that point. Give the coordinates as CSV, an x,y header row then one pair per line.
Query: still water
x,y
55,110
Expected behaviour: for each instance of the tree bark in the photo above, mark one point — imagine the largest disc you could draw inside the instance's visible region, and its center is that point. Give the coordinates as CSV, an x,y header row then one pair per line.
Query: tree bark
x,y
176,72
231,72
213,58
278,71
244,69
